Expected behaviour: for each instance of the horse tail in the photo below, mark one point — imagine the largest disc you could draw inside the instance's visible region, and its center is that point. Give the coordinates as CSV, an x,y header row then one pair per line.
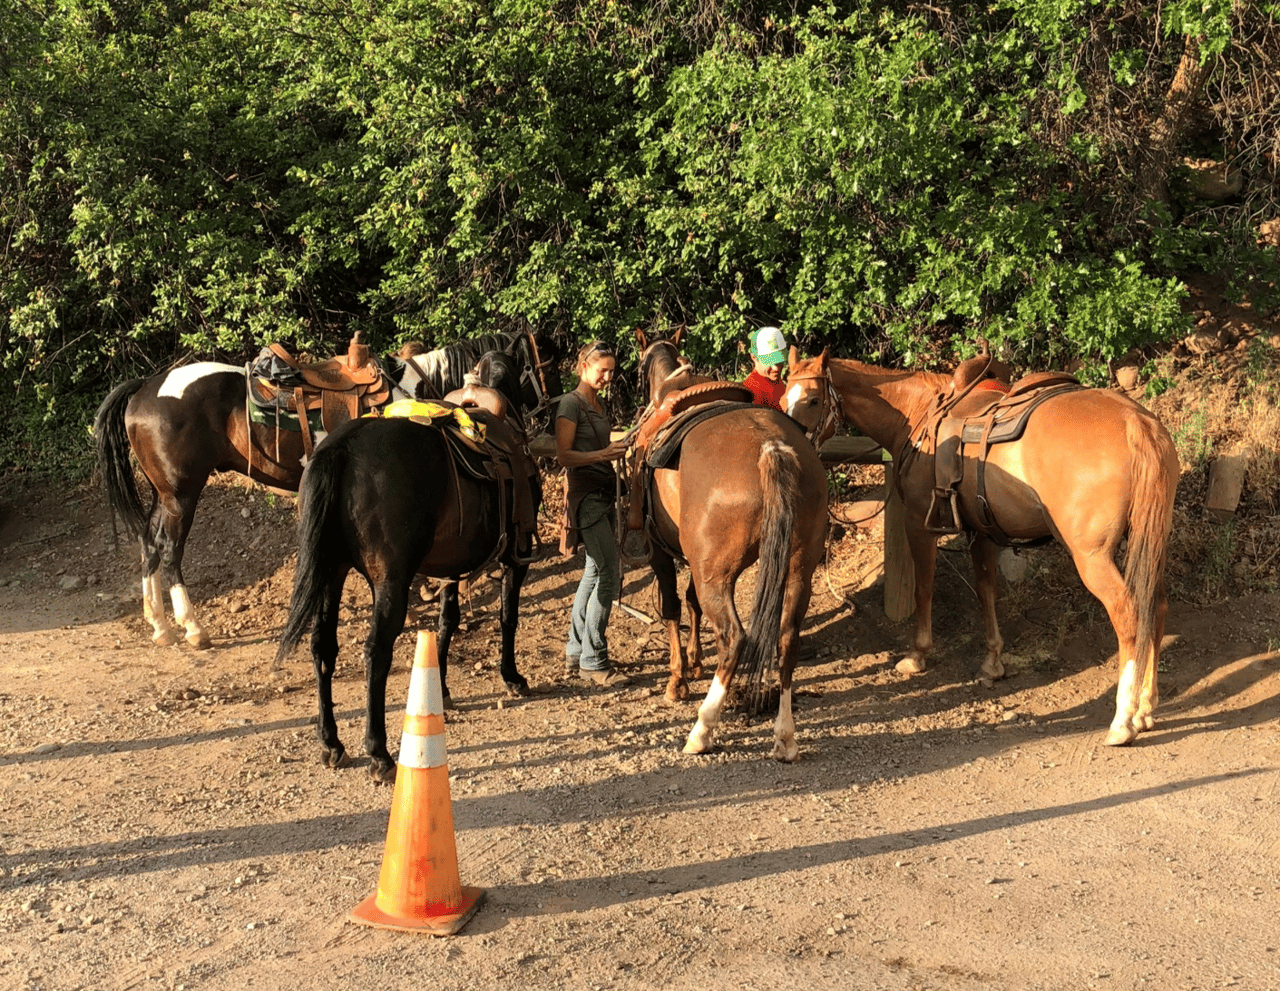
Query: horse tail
x,y
319,496
112,442
779,486
1150,520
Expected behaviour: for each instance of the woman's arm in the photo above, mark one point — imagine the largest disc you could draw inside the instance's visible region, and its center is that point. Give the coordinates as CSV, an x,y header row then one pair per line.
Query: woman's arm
x,y
567,457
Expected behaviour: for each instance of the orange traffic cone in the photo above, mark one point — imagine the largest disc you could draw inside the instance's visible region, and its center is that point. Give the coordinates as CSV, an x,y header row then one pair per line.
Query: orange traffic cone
x,y
419,889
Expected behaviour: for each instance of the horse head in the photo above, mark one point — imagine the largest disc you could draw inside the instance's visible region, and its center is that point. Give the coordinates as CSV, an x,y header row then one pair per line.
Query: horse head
x,y
662,367
810,398
502,372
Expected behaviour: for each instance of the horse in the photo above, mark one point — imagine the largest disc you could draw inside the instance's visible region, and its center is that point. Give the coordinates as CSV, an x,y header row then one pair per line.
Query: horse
x,y
1091,467
383,496
747,486
184,424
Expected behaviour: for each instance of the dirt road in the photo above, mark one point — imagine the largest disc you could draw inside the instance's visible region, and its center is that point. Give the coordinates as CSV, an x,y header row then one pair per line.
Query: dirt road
x,y
166,824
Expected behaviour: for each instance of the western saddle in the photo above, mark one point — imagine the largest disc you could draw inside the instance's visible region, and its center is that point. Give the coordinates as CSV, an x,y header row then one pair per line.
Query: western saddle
x,y
340,388
981,407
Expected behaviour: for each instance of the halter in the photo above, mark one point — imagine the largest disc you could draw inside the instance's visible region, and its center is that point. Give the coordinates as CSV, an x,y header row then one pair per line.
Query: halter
x,y
831,406
533,374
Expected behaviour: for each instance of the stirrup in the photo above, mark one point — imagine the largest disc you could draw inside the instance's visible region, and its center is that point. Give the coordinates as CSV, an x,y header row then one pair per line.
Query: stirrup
x,y
931,523
535,550
633,560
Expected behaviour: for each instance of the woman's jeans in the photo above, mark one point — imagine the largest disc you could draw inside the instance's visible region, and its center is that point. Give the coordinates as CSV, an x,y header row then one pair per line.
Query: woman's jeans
x,y
600,585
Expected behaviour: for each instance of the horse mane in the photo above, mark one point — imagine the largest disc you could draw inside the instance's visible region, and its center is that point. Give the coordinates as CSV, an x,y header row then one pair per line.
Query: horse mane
x,y
446,368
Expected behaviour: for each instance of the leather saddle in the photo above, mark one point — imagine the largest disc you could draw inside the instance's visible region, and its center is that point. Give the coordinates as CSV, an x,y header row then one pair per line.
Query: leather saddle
x,y
989,412
658,440
340,389
498,451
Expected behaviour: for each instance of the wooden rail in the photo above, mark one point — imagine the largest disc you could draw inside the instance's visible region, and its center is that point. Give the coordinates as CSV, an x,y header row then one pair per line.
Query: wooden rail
x,y
899,572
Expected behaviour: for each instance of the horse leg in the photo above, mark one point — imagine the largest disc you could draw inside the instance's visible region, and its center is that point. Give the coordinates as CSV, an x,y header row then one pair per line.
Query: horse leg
x,y
324,657
729,643
924,555
450,617
794,608
664,569
390,605
1150,686
984,554
1100,576
693,665
173,523
512,580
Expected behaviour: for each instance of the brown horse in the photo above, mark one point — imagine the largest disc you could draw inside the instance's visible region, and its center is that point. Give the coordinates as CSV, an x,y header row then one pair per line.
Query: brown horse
x,y
1091,468
184,424
747,485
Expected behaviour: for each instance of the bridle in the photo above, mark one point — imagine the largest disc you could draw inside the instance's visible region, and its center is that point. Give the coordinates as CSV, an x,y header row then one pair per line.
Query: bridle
x,y
534,375
831,406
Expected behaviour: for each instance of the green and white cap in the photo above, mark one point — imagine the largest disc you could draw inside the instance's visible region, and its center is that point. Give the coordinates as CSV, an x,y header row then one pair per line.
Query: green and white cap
x,y
768,346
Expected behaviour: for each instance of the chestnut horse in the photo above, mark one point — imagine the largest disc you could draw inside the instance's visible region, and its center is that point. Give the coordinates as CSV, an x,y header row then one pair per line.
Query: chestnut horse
x,y
1091,468
747,485
184,424
381,495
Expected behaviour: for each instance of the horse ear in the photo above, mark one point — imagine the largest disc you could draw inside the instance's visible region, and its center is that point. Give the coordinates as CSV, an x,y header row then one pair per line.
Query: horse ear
x,y
641,339
793,358
822,358
675,338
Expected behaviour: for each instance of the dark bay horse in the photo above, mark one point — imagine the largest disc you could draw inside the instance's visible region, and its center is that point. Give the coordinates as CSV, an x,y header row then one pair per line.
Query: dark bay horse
x,y
381,496
747,486
1091,468
184,424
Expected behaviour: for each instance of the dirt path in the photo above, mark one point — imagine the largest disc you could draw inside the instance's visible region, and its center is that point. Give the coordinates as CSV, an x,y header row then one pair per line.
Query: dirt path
x,y
165,823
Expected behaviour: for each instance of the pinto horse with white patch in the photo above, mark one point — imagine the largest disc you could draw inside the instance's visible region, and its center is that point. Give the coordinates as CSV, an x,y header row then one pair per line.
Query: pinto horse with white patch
x,y
1090,468
745,486
184,424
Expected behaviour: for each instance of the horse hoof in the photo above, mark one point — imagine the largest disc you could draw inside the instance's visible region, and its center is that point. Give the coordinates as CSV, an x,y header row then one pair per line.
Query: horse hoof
x,y
786,754
1120,737
698,743
1145,722
992,670
334,757
383,773
695,672
165,638
910,665
678,691
200,641
448,702
519,688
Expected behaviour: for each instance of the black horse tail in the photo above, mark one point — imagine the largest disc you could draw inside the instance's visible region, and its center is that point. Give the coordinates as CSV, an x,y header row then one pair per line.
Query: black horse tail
x,y
114,468
1150,520
319,496
780,488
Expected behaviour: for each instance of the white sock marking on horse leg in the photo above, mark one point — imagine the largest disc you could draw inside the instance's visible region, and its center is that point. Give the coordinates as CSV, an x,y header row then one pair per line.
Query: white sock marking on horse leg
x,y
153,611
185,616
708,718
784,731
1122,727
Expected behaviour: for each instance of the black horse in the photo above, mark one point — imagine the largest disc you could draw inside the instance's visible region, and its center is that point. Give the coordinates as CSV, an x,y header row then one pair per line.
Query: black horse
x,y
184,424
381,496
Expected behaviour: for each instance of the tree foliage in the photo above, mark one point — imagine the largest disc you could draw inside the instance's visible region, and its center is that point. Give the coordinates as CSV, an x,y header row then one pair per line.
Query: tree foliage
x,y
200,177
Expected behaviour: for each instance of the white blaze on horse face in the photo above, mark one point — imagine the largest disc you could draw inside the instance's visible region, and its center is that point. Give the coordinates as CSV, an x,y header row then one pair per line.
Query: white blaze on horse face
x,y
793,397
180,379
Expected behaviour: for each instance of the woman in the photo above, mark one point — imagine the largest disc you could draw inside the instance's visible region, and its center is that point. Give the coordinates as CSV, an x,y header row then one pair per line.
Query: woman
x,y
583,447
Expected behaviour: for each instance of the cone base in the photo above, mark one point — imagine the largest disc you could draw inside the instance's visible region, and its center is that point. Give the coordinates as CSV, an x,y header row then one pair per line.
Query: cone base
x,y
367,913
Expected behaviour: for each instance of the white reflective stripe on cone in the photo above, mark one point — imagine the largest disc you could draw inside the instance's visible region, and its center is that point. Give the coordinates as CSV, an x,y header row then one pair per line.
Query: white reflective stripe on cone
x,y
422,751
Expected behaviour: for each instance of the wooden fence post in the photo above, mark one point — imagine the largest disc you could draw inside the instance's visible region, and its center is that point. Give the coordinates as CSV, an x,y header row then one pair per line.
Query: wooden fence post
x,y
899,571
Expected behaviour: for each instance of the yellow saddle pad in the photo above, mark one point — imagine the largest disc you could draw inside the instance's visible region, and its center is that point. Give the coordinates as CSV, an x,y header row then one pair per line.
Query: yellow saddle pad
x,y
421,410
